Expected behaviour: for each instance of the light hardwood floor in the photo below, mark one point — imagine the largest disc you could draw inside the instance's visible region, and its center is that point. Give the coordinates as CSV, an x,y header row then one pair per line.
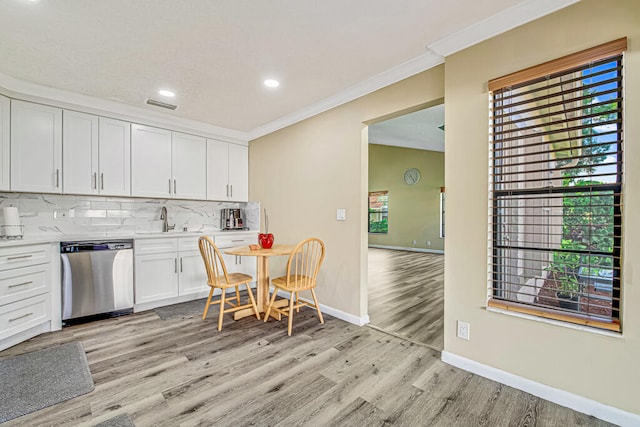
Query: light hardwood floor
x,y
182,372
406,295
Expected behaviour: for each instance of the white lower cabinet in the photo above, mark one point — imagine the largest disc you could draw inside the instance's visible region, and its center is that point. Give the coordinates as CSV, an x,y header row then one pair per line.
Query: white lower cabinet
x,y
168,268
234,263
25,292
156,277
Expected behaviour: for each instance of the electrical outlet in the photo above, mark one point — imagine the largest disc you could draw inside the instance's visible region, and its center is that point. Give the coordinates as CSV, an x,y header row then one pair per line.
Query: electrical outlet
x,y
61,213
414,243
341,214
464,330
428,242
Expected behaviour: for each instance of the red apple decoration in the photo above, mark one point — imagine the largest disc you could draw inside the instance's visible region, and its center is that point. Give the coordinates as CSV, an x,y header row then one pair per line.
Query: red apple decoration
x,y
265,240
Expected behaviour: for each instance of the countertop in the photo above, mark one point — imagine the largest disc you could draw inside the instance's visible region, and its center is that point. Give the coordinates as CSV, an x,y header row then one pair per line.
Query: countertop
x,y
57,238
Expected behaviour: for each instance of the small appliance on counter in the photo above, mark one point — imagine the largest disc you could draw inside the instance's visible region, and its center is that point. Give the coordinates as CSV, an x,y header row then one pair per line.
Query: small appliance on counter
x,y
11,227
232,219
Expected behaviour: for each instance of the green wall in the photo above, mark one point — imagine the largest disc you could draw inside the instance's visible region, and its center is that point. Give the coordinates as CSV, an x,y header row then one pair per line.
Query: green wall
x,y
414,210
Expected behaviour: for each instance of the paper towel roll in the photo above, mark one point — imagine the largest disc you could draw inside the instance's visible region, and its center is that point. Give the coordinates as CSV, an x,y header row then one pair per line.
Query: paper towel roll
x,y
11,216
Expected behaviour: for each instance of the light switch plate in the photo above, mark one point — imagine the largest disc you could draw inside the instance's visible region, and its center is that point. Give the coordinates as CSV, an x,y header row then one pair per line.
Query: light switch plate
x,y
341,214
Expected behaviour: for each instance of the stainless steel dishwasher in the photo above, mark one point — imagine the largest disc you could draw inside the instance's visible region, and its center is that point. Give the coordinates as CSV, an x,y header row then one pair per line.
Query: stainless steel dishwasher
x,y
97,278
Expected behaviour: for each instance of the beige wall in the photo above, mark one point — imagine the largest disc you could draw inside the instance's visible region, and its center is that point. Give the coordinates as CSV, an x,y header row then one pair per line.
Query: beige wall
x,y
303,173
597,366
414,210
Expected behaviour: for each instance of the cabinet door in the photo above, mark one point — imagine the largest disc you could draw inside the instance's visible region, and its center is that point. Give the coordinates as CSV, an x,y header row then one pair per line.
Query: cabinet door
x,y
217,170
114,169
80,153
189,155
36,147
156,277
150,162
238,173
193,276
5,119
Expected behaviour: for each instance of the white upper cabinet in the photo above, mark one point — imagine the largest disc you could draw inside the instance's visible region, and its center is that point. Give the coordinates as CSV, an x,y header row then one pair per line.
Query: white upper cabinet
x,y
96,155
5,125
80,153
189,160
167,164
217,170
114,171
36,148
151,162
238,173
227,171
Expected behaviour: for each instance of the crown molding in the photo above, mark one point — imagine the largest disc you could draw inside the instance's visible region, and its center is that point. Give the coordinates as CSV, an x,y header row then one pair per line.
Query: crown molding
x,y
499,23
407,69
27,91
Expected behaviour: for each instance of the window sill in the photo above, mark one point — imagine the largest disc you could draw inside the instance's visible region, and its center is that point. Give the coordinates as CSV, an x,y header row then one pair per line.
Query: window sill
x,y
552,318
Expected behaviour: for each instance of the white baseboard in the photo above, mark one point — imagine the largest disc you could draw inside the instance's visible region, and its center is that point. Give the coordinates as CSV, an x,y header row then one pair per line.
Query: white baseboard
x,y
561,397
360,321
400,248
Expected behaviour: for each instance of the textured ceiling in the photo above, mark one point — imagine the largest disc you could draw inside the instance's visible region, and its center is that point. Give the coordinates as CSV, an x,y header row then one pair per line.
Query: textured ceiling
x,y
420,130
215,53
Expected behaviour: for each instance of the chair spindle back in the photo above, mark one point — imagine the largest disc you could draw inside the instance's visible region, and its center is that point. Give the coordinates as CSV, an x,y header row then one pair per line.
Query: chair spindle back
x,y
304,264
213,261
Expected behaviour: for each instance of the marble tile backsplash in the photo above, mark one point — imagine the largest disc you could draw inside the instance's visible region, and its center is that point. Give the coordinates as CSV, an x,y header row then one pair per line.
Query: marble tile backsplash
x,y
63,214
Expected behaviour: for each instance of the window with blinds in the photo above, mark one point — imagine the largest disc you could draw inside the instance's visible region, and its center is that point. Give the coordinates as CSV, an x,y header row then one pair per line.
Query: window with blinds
x,y
556,188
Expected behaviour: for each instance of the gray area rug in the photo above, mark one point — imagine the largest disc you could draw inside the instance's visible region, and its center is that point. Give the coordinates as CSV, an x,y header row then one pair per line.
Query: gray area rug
x,y
185,310
32,381
122,420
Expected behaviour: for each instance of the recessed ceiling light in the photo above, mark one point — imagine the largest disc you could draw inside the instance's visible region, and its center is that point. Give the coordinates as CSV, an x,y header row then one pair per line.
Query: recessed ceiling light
x,y
271,83
167,93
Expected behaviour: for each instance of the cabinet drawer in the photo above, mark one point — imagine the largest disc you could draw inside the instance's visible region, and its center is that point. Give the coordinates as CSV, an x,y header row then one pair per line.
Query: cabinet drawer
x,y
22,315
21,283
232,241
188,243
24,256
156,246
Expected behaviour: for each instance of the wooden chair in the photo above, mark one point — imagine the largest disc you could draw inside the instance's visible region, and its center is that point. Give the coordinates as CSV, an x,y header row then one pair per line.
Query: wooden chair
x,y
218,277
302,271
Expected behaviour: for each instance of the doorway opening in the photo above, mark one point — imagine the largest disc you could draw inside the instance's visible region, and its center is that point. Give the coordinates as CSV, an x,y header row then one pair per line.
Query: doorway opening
x,y
406,225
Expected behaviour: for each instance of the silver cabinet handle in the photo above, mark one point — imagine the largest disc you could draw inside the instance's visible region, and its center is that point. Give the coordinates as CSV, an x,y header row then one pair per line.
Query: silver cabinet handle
x,y
174,187
102,181
169,185
57,178
95,181
227,190
13,258
231,187
20,317
175,265
180,264
20,284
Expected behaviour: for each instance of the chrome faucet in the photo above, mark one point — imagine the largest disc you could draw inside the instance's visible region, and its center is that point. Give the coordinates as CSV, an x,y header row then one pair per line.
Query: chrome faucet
x,y
165,220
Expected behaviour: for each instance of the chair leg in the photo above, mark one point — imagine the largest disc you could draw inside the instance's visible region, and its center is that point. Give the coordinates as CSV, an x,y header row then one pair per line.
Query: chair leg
x,y
297,303
238,296
291,298
222,295
253,301
315,301
206,307
273,298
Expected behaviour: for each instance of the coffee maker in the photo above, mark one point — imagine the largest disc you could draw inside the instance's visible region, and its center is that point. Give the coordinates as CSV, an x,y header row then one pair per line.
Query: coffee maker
x,y
231,219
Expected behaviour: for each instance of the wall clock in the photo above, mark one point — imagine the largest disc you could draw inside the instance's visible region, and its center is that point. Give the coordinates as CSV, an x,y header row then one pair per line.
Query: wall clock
x,y
412,176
